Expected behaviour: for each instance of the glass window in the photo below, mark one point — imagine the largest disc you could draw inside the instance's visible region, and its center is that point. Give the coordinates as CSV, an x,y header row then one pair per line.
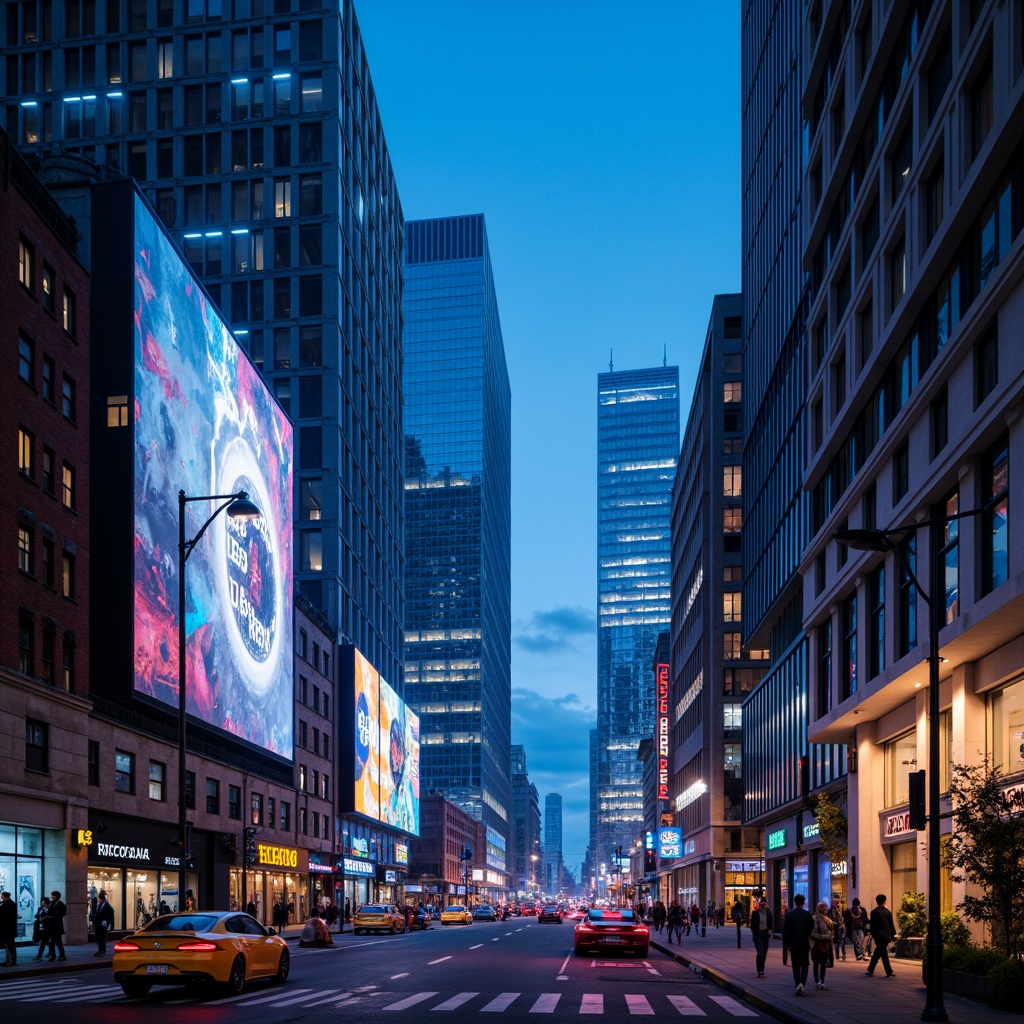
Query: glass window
x,y
124,772
37,746
26,359
26,264
212,796
256,809
900,761
732,606
69,403
848,666
732,481
312,93
68,486
94,763
26,452
70,321
1007,715
995,521
25,559
876,622
157,780
907,637
234,802
68,575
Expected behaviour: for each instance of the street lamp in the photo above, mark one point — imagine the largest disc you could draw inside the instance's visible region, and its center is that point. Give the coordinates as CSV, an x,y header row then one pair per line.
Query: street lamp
x,y
886,541
238,506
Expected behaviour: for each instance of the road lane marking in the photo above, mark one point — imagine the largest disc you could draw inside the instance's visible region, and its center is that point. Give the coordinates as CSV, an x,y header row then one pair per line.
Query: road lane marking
x,y
395,977
592,1003
498,939
249,1001
730,1005
686,1006
441,961
500,1003
479,945
404,1004
546,1003
343,998
456,1001
639,1005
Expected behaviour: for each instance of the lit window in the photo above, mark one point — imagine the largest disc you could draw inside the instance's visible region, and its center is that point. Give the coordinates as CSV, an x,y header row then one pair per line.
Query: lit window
x,y
25,549
732,606
732,520
68,485
157,773
26,264
26,452
124,772
732,481
732,391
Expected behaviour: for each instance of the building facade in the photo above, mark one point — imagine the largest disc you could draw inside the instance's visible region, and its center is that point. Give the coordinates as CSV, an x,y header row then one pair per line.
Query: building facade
x,y
709,670
458,522
552,843
637,448
256,137
524,849
913,233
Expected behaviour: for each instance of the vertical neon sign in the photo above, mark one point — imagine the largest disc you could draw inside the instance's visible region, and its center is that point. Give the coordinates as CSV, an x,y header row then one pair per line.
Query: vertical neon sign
x,y
662,679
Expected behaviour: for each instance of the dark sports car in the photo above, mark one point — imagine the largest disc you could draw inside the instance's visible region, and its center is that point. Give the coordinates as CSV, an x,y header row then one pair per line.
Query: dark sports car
x,y
604,930
549,914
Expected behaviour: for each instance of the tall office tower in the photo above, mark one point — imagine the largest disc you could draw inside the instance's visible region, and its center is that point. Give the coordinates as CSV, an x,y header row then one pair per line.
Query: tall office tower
x,y
916,371
254,130
637,448
709,670
524,841
458,522
552,843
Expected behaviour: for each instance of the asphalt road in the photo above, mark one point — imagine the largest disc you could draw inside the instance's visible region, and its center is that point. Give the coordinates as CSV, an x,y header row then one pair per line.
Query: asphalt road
x,y
518,969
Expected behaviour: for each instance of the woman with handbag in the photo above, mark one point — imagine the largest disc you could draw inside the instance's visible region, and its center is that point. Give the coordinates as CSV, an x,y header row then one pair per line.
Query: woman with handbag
x,y
821,944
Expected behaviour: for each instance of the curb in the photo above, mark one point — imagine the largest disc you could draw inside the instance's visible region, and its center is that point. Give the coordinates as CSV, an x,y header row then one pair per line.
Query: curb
x,y
750,996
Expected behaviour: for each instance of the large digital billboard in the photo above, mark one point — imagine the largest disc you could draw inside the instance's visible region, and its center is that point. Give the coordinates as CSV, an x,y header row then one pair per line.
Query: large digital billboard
x,y
206,423
387,751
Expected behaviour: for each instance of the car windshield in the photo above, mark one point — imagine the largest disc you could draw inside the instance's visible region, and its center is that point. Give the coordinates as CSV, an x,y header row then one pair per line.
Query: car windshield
x,y
184,923
551,909
457,910
373,910
611,916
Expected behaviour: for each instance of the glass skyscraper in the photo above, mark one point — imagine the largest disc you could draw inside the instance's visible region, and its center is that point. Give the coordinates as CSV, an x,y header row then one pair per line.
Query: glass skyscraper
x,y
458,523
254,131
637,449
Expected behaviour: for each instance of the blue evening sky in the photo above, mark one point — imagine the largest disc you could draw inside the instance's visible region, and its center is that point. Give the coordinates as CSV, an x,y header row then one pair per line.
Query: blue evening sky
x,y
601,141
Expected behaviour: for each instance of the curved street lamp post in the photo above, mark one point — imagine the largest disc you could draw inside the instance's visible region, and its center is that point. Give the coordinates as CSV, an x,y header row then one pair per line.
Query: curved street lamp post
x,y
238,506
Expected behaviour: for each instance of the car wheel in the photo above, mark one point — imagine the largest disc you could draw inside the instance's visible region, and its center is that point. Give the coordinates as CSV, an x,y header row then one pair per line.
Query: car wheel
x,y
393,928
236,979
284,966
643,952
135,987
579,952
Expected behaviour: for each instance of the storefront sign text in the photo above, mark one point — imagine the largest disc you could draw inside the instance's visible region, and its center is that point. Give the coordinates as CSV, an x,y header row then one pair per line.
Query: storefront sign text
x,y
277,856
777,840
401,853
359,867
122,852
898,824
662,698
812,831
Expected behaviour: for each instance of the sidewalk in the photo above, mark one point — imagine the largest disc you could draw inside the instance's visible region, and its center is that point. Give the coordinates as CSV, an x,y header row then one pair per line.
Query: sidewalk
x,y
851,997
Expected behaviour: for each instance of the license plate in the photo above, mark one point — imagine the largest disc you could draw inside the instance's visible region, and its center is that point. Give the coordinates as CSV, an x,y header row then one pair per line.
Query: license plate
x,y
156,968
610,939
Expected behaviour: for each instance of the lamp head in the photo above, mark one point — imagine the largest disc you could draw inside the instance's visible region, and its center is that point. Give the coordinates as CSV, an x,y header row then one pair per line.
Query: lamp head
x,y
243,508
863,540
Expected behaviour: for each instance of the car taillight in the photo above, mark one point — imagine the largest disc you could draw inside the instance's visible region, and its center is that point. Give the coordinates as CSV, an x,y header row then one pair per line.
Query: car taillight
x,y
126,947
198,947
584,927
642,929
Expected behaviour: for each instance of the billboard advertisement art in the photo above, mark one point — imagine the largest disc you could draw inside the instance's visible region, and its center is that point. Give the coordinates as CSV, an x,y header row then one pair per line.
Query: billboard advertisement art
x,y
206,423
387,751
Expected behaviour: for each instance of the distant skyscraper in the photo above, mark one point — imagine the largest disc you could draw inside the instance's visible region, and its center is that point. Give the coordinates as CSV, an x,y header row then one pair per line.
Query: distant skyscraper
x,y
637,447
457,522
524,842
553,842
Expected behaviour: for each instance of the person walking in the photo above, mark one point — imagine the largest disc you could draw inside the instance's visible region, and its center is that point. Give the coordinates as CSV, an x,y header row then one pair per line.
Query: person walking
x,y
675,922
738,917
822,936
660,914
797,926
8,927
855,918
762,925
838,918
41,927
103,921
883,931
58,911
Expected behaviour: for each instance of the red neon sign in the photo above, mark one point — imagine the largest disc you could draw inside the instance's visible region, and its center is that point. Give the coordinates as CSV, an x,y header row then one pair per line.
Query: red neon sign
x,y
662,717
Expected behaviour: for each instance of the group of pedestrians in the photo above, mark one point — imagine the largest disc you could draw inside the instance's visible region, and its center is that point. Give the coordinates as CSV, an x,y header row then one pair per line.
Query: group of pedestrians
x,y
679,920
47,927
816,940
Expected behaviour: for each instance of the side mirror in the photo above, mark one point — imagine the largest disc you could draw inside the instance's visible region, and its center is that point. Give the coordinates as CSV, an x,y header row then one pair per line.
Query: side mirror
x,y
271,931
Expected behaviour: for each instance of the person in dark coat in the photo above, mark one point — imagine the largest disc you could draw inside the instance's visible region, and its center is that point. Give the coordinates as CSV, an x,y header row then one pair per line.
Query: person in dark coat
x,y
103,921
9,927
41,926
883,931
797,926
675,922
58,911
762,924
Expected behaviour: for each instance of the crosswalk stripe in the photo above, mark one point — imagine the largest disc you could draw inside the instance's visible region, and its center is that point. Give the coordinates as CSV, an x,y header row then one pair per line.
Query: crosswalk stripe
x,y
404,1004
456,1001
276,995
733,1007
500,1003
639,1005
546,1003
686,1006
592,1003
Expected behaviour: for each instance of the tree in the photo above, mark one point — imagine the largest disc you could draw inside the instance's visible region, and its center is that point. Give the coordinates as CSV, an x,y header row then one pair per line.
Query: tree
x,y
986,849
832,828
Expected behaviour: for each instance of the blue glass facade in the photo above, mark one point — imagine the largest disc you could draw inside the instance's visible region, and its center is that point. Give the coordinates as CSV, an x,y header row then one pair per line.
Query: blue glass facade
x,y
458,518
637,448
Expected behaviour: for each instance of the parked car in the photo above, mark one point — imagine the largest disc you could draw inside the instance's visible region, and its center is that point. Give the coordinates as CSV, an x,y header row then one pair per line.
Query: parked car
x,y
604,930
549,914
378,917
225,947
456,914
485,912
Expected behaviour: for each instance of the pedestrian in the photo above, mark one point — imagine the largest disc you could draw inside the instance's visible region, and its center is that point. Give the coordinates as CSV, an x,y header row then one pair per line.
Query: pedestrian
x,y
738,916
41,927
837,914
103,921
821,944
675,922
694,916
883,931
58,911
9,927
797,926
660,914
721,916
855,919
762,924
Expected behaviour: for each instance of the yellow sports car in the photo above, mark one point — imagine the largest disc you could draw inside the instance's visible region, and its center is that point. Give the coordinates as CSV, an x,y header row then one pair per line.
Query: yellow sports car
x,y
456,914
176,949
378,917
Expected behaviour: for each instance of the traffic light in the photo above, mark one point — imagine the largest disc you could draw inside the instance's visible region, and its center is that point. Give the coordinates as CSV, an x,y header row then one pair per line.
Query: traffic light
x,y
918,818
250,847
467,853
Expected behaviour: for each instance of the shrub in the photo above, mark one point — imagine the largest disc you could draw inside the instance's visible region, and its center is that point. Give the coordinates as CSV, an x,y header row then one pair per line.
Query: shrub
x,y
972,959
1004,984
912,916
954,931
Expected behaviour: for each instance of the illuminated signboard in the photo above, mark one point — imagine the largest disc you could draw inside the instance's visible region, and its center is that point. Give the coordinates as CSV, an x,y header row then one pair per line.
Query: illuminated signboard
x,y
670,842
662,705
206,423
777,840
387,751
